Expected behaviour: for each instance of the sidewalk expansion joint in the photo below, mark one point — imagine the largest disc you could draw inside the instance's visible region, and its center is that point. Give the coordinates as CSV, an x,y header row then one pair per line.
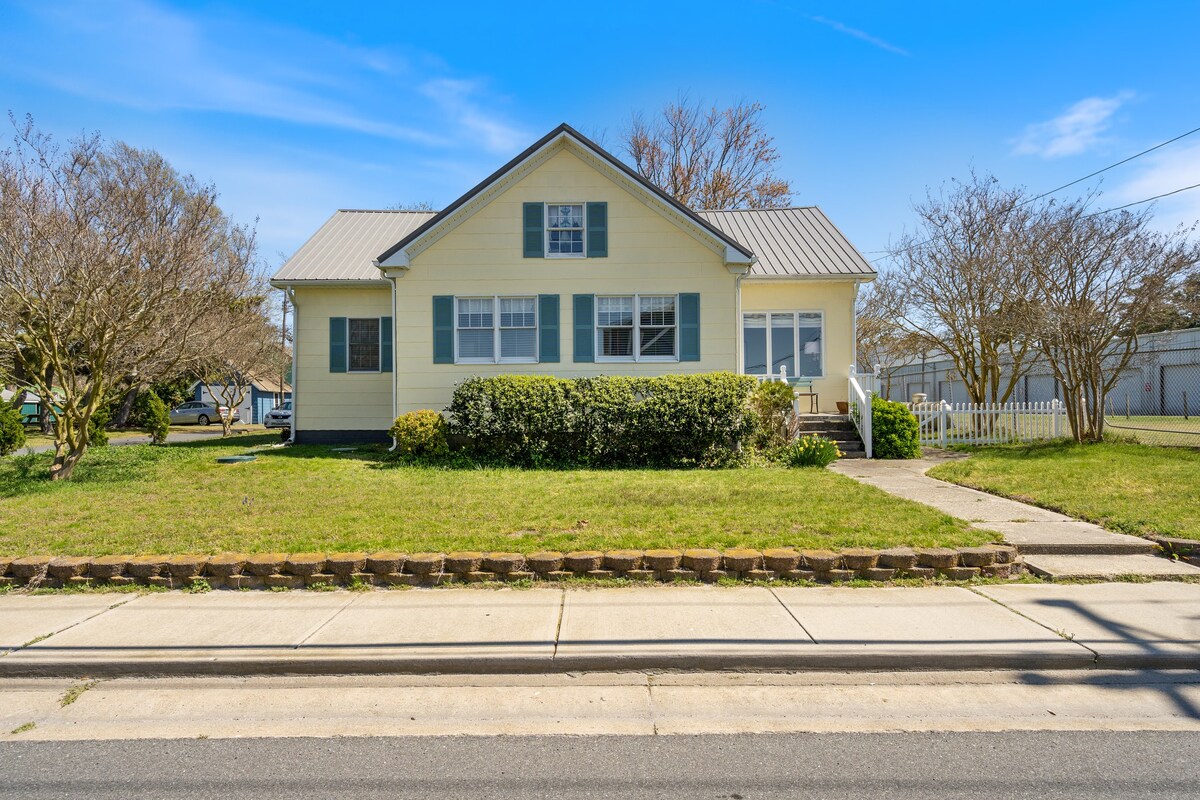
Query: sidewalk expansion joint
x,y
562,607
46,636
316,628
795,619
1055,631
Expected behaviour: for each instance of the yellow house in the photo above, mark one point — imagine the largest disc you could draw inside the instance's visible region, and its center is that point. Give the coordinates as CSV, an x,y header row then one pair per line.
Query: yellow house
x,y
563,262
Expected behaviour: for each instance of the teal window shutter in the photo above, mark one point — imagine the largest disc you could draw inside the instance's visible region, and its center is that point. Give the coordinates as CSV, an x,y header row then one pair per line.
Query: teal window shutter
x,y
337,344
597,230
535,221
443,329
689,327
548,328
385,344
585,331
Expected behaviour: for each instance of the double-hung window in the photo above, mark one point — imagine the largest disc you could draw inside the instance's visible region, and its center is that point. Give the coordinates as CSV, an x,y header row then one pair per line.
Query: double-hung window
x,y
491,330
791,340
636,328
363,344
564,229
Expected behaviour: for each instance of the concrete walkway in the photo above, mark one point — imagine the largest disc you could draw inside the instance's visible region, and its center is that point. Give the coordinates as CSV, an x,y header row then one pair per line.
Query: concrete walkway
x,y
475,631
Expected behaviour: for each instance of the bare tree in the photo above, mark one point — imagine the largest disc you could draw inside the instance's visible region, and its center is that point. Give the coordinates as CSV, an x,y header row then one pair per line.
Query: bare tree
x,y
882,343
963,285
110,264
247,350
708,158
1099,279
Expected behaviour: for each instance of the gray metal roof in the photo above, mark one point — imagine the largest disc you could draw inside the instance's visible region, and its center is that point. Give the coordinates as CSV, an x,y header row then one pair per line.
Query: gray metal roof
x,y
792,241
787,241
345,247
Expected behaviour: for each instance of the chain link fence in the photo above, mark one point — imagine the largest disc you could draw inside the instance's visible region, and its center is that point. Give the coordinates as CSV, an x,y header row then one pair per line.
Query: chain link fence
x,y
1155,400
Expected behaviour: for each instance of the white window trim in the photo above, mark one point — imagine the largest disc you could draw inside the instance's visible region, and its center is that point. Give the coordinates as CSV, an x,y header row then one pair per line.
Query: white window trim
x,y
496,359
378,370
637,331
794,312
546,229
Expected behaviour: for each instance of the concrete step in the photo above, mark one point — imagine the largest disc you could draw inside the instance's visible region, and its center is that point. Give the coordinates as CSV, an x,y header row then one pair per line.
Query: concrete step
x,y
853,454
809,425
1107,567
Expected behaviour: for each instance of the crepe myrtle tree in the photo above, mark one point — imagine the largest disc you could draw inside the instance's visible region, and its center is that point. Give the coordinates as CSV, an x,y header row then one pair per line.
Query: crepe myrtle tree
x,y
960,284
248,347
1099,279
111,266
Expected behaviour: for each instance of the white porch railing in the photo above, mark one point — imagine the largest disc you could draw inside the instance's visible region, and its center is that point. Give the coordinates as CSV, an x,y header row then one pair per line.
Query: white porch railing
x,y
943,424
860,404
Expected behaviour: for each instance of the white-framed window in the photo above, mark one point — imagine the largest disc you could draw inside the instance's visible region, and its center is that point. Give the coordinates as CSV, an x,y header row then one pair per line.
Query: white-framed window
x,y
637,327
565,230
793,340
495,330
363,344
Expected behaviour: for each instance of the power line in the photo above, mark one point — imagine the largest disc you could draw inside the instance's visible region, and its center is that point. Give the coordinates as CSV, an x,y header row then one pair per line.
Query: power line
x,y
1147,200
888,253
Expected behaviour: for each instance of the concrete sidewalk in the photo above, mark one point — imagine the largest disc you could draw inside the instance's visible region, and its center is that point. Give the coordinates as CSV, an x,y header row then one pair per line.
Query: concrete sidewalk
x,y
477,631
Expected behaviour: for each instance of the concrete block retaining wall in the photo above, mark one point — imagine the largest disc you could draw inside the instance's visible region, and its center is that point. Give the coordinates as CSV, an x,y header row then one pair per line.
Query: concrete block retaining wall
x,y
304,570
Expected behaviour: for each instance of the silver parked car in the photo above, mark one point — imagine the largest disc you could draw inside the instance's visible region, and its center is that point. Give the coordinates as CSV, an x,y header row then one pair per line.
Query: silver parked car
x,y
197,413
280,416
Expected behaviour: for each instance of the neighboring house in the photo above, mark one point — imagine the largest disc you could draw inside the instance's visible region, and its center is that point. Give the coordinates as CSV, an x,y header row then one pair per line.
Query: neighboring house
x,y
563,262
264,394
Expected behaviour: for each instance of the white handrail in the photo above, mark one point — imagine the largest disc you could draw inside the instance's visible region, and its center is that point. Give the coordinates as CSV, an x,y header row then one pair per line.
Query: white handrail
x,y
860,409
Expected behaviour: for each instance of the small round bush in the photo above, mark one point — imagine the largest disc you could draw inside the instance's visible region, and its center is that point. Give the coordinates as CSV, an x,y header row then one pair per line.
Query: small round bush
x,y
808,451
771,402
12,431
421,434
97,435
894,430
153,415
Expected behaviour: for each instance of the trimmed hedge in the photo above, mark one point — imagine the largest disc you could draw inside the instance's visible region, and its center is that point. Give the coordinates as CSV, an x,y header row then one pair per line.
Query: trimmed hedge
x,y
617,421
894,430
420,433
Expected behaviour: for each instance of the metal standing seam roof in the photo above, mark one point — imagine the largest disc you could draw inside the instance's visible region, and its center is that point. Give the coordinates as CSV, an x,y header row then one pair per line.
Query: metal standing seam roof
x,y
787,241
792,241
345,247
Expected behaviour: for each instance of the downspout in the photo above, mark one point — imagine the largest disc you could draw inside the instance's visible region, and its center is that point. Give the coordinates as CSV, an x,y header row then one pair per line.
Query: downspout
x,y
291,295
395,372
740,357
854,328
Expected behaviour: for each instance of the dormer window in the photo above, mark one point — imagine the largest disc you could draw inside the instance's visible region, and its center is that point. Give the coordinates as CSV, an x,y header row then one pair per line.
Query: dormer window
x,y
564,229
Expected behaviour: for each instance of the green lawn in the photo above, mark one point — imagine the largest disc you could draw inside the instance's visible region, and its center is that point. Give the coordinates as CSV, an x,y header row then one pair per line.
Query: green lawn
x,y
1130,488
177,499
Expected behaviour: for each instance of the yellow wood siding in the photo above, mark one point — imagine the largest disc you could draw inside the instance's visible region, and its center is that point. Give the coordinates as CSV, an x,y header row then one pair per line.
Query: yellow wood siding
x,y
647,253
343,401
836,300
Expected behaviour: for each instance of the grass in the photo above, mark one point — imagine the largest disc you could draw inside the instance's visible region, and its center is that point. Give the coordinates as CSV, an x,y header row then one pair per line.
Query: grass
x,y
177,499
1130,488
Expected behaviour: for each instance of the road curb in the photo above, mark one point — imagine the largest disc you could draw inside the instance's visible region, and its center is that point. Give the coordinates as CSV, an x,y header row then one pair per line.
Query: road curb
x,y
665,662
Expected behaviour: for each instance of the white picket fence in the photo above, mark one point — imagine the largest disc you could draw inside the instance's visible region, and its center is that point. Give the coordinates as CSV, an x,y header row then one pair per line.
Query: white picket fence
x,y
943,424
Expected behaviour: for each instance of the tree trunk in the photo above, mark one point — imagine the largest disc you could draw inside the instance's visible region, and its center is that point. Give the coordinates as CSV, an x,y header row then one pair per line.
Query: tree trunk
x,y
65,459
45,418
131,396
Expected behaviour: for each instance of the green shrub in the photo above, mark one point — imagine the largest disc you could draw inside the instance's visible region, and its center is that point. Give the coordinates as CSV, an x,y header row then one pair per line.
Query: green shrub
x,y
674,420
12,432
152,416
807,451
894,430
421,434
772,402
97,435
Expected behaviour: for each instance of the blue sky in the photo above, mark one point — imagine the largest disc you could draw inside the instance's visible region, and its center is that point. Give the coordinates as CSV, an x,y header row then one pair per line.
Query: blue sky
x,y
297,108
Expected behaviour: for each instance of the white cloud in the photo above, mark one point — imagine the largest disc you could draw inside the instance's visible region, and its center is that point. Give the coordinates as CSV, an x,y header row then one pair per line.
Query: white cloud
x,y
459,99
144,56
1078,129
1171,168
861,35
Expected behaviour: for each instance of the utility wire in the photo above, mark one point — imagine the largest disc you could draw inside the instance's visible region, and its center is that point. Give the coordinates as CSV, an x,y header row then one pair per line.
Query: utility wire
x,y
888,253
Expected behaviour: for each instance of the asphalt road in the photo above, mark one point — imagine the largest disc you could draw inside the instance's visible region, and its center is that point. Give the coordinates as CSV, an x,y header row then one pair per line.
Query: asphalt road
x,y
1044,765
